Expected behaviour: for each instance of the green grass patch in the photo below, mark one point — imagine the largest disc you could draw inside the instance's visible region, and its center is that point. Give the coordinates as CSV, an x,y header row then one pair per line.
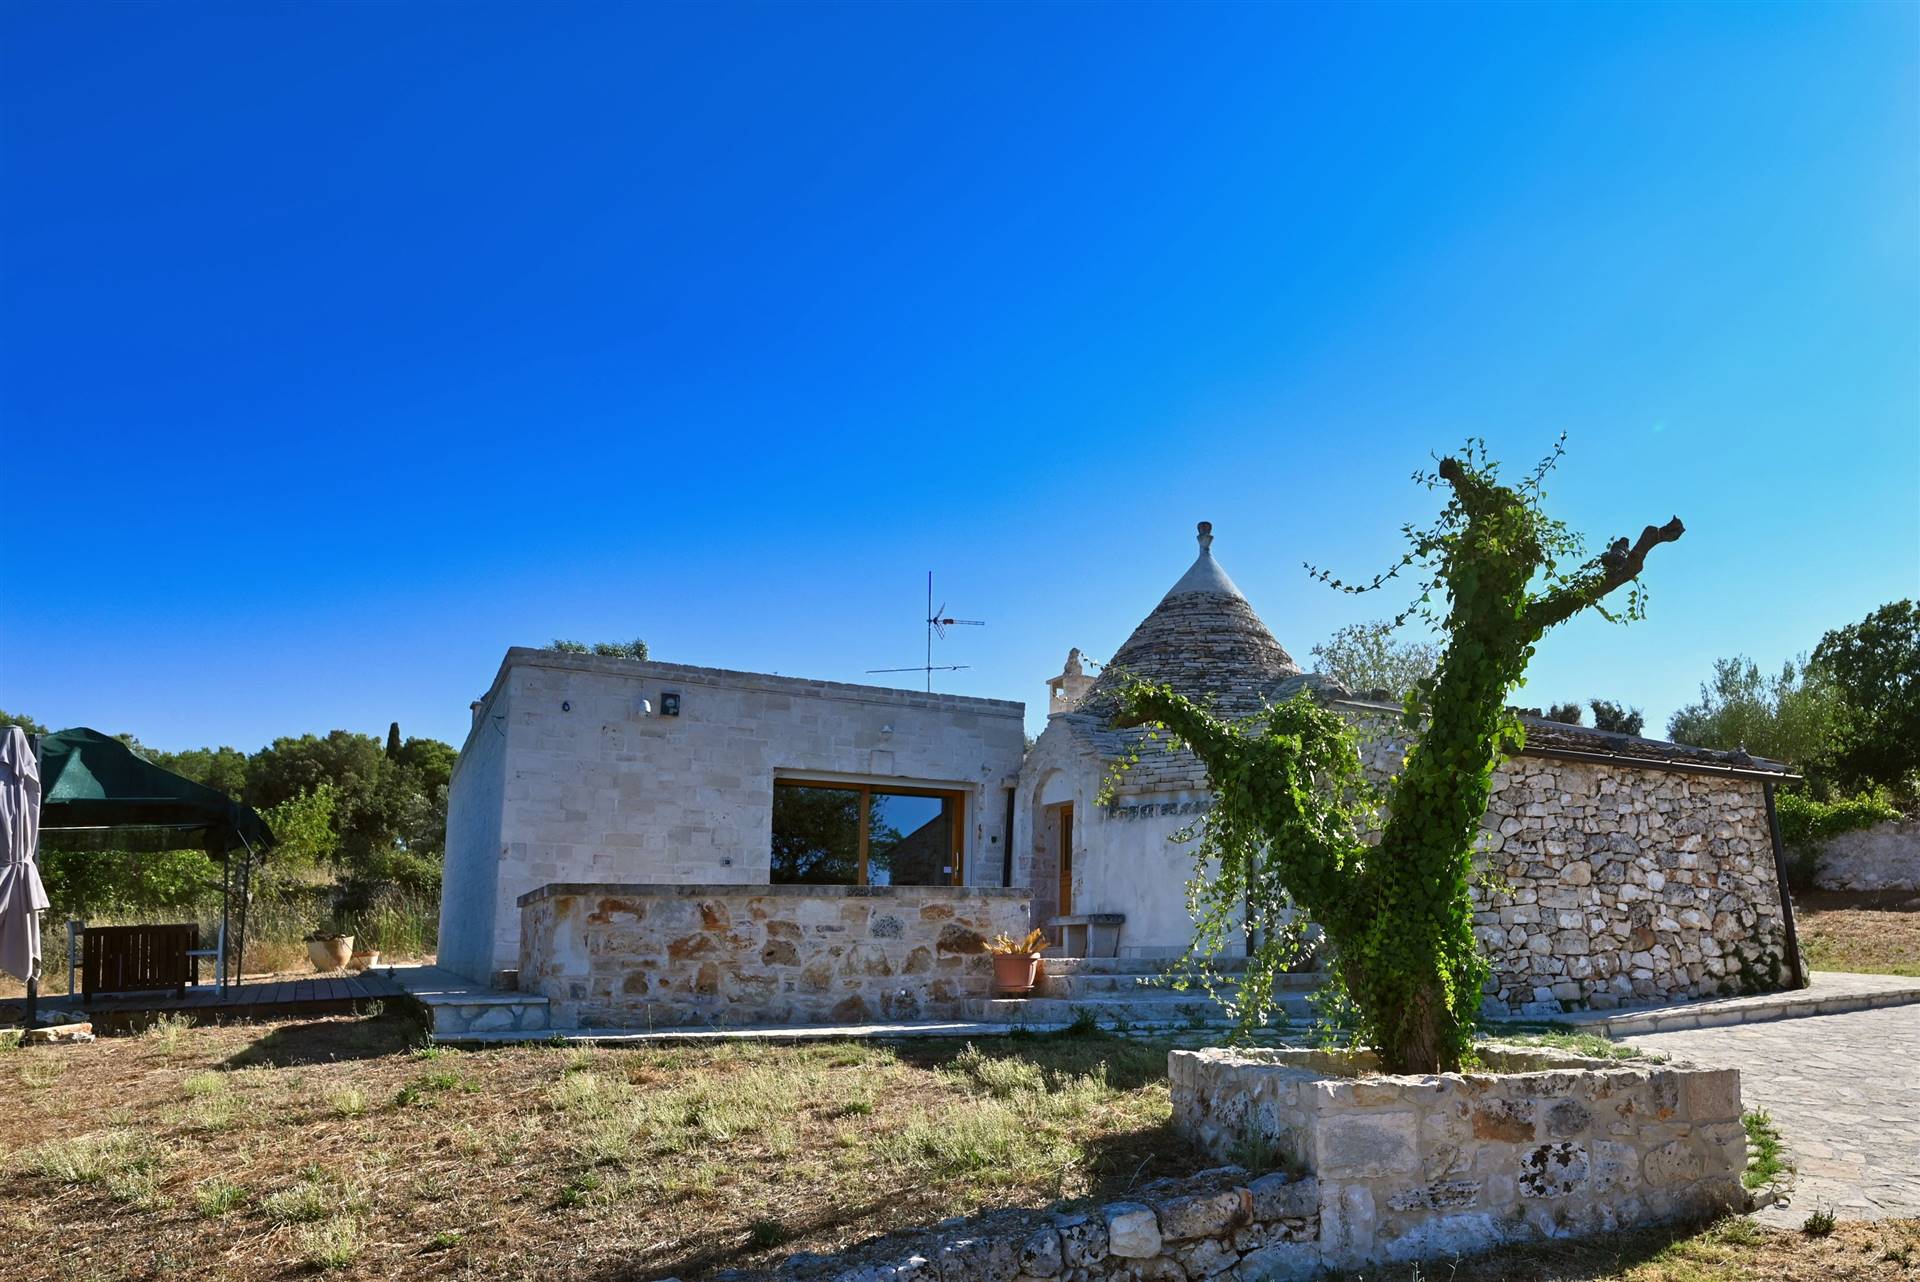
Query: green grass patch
x,y
1766,1155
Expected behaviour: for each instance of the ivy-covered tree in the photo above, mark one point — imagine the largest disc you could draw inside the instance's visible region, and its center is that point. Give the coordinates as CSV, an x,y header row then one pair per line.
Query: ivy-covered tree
x,y
1292,805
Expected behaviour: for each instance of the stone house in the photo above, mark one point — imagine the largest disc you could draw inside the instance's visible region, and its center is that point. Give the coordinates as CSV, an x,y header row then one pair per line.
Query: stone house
x,y
1637,869
663,843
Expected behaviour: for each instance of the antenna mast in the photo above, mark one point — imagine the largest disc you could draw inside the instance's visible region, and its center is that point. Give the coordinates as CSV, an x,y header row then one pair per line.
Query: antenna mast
x,y
937,625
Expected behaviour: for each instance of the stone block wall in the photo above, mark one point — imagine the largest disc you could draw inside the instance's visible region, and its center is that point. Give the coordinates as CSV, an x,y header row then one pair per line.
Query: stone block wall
x,y
1619,885
656,956
1217,1224
567,777
1427,1166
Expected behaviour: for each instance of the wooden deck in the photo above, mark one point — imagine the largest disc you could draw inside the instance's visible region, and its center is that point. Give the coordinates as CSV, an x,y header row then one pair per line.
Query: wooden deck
x,y
338,994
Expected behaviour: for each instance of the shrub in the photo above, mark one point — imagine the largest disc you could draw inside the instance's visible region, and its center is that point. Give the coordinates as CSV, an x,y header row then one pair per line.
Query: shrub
x,y
1806,824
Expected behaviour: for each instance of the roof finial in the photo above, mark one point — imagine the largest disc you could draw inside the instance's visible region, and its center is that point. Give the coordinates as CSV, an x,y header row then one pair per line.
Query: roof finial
x,y
1206,538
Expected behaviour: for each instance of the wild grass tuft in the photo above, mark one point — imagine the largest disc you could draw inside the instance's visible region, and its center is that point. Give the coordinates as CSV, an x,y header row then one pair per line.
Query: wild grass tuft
x,y
204,1085
332,1245
347,1101
39,1072
309,1201
169,1033
215,1197
94,1157
1820,1223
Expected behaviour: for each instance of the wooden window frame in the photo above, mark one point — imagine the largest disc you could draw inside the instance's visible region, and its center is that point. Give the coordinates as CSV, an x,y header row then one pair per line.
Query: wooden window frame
x,y
866,789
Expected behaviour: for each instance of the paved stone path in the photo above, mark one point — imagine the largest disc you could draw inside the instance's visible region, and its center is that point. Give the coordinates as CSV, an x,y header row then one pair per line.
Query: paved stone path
x,y
1845,1092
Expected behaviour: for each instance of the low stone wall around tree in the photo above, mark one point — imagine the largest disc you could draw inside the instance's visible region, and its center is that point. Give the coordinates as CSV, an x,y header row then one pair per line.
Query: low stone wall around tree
x,y
656,956
1420,1167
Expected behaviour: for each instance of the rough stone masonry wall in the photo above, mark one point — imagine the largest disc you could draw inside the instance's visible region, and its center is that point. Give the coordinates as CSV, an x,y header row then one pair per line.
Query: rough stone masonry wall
x,y
1217,1224
1423,1166
1622,885
1883,857
655,956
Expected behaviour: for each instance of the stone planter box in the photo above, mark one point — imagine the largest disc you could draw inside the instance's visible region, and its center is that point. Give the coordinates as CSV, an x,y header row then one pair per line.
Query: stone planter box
x,y
1543,1145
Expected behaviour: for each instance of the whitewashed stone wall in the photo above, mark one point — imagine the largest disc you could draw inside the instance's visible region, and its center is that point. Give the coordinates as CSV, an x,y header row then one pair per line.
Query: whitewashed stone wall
x,y
470,877
640,956
1883,857
1421,1167
587,788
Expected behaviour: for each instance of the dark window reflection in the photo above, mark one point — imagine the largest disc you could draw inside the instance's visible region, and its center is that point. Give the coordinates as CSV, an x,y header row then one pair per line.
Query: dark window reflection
x,y
910,841
816,836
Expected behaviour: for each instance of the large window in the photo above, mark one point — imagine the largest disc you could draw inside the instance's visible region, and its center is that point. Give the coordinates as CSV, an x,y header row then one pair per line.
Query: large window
x,y
852,834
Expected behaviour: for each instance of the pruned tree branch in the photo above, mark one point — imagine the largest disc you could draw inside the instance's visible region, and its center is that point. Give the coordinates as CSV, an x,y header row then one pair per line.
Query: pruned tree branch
x,y
1619,565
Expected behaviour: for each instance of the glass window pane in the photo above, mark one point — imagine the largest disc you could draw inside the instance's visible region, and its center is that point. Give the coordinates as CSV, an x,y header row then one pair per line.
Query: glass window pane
x,y
816,836
910,841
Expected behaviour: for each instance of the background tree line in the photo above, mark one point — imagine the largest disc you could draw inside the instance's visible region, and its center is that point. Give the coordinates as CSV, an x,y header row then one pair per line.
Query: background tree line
x,y
1845,716
360,823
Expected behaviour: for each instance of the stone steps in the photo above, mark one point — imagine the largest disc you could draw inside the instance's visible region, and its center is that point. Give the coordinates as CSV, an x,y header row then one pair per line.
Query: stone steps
x,y
456,1006
1102,985
1158,1009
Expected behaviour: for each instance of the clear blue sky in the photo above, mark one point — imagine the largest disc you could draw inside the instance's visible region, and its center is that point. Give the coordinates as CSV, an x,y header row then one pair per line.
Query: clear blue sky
x,y
344,346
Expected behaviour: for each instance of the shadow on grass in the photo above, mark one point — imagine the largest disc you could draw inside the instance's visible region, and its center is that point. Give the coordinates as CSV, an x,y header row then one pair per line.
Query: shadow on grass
x,y
326,1041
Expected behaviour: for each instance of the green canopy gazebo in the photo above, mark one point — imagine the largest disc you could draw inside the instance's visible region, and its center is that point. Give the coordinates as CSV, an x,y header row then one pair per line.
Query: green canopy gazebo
x,y
98,794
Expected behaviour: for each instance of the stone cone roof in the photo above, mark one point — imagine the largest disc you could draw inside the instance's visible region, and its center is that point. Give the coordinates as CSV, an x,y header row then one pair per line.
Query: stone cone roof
x,y
1204,640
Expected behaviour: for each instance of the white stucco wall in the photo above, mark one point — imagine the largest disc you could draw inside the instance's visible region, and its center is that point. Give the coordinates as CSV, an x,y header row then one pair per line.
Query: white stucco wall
x,y
475,802
1124,861
596,791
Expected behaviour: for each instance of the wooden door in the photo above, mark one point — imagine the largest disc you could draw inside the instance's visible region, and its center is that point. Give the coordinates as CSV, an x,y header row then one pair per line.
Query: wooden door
x,y
1066,859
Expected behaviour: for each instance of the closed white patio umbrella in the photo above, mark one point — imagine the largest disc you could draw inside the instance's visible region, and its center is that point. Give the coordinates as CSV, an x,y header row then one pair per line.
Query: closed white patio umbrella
x,y
22,897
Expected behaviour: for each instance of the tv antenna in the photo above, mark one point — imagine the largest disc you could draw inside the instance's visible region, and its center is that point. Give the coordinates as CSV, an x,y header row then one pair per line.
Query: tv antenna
x,y
937,625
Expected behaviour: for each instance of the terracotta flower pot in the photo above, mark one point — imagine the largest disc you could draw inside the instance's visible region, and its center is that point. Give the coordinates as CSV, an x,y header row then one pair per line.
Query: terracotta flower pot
x,y
331,953
1014,973
364,961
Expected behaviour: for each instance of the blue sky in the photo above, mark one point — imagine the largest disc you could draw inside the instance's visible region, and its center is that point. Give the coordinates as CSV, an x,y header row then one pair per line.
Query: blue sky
x,y
344,346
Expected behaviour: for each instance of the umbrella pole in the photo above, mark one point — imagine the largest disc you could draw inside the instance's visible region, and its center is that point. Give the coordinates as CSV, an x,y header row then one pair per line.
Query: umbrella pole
x,y
246,897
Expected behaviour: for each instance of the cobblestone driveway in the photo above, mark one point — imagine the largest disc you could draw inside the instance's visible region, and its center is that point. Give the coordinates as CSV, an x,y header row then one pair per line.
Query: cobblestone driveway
x,y
1845,1092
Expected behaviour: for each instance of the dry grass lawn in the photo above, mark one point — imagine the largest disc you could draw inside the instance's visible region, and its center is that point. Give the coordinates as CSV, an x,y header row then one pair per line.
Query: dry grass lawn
x,y
274,1150
340,1147
1875,932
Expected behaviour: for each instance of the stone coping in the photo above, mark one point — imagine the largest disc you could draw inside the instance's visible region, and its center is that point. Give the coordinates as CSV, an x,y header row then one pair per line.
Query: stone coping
x,y
1827,993
693,674
1357,1065
715,889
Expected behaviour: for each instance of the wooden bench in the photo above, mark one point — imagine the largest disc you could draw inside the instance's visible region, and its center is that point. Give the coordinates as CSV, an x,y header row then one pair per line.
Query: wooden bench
x,y
128,959
1087,934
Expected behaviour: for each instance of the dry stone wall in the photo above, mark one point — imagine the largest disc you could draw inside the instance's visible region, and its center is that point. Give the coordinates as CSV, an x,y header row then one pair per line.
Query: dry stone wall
x,y
652,956
1217,1224
1420,1167
1608,886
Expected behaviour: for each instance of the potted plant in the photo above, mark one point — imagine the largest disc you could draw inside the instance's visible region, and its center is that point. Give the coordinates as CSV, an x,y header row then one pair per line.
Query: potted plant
x,y
1016,962
329,950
